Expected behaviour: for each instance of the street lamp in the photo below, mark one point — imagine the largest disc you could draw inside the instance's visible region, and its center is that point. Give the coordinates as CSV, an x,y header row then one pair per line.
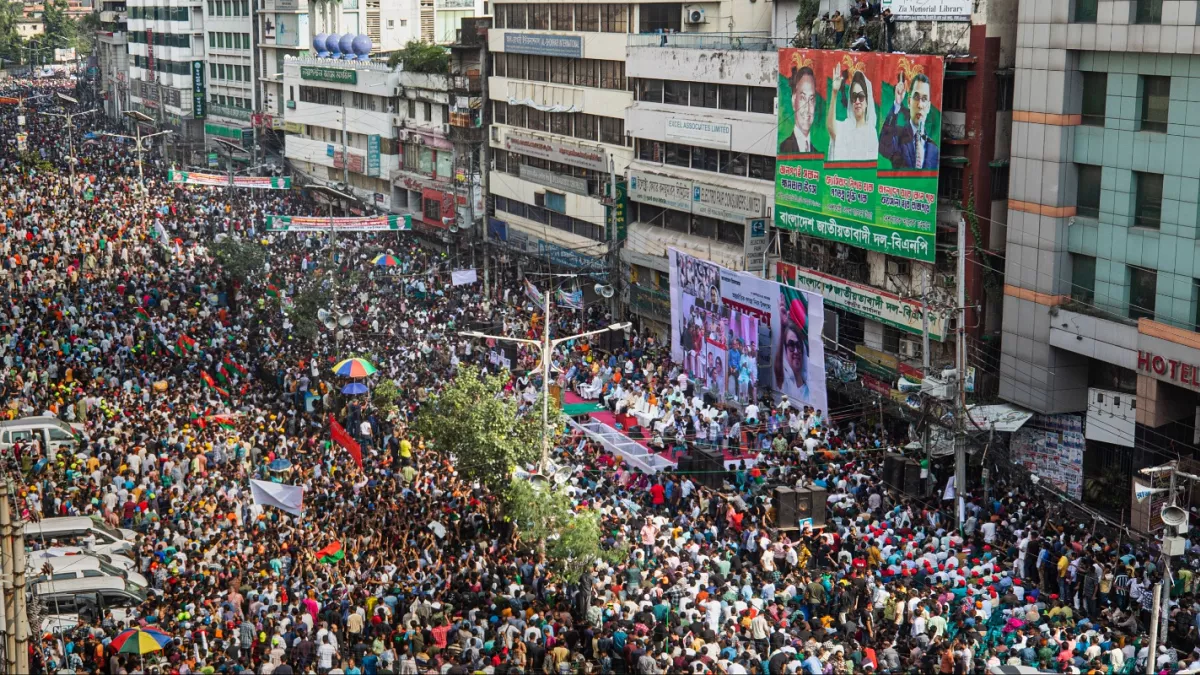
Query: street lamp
x,y
69,118
546,348
139,117
230,148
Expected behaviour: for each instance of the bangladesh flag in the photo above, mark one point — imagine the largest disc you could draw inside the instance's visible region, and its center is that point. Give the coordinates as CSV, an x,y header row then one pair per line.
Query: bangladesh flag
x,y
331,553
186,343
224,422
272,291
211,384
235,365
142,313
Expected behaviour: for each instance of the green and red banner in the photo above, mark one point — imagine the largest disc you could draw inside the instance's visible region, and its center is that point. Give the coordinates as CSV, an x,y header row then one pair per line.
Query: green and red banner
x,y
387,223
859,147
222,180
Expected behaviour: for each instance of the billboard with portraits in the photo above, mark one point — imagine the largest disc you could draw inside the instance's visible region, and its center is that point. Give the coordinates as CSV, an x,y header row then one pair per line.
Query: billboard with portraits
x,y
738,336
858,148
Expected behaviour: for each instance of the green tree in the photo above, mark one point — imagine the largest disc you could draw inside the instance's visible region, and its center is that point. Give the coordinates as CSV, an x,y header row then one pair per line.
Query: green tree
x,y
420,57
10,39
480,427
385,395
303,312
85,33
60,28
240,259
570,539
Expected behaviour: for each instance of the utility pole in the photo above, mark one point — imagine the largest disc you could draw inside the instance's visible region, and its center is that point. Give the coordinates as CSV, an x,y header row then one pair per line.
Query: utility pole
x,y
614,268
18,563
1155,608
926,440
345,154
137,138
960,352
8,576
69,118
484,160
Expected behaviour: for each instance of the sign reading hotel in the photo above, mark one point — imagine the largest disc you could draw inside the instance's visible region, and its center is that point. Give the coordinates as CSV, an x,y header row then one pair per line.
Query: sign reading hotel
x,y
541,44
557,151
858,149
888,309
1167,369
335,75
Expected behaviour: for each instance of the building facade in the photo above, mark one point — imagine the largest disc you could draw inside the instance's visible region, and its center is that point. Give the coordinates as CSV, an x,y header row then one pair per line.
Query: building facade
x,y
166,52
231,66
1102,282
112,56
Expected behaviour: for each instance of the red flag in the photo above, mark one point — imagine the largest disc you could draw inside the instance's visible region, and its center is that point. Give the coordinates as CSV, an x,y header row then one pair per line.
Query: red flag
x,y
342,438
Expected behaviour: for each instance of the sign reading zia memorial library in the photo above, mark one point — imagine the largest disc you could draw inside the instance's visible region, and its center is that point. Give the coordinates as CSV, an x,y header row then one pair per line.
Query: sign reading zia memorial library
x,y
859,140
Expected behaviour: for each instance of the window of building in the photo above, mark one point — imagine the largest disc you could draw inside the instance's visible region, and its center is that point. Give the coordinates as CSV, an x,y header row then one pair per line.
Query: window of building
x,y
1095,98
891,339
560,70
705,159
1156,100
954,96
561,124
585,126
587,18
732,97
1083,278
612,130
1087,190
650,91
660,18
1005,90
539,16
538,68
517,15
433,210
1143,288
1000,178
560,17
1085,11
762,167
612,74
675,92
1147,11
1147,208
587,73
703,95
950,184
762,100
412,109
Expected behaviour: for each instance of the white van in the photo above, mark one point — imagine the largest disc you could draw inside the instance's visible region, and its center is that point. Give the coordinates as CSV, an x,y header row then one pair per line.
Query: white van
x,y
84,565
51,431
79,531
115,559
66,603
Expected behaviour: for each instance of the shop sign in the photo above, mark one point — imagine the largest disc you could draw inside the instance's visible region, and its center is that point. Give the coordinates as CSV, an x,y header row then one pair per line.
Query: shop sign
x,y
551,179
719,134
1175,371
876,364
335,75
544,44
557,151
863,300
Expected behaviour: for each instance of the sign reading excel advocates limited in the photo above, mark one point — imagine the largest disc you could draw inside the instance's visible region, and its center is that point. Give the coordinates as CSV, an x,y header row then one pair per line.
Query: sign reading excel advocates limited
x,y
888,309
858,148
198,90
716,134
930,10
335,75
542,44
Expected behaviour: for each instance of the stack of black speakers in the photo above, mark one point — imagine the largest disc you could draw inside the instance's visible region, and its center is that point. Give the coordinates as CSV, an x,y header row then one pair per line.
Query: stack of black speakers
x,y
902,475
705,466
796,507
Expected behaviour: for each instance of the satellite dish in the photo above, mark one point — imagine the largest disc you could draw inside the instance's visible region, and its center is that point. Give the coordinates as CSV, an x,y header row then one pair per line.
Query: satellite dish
x,y
345,320
1174,516
604,290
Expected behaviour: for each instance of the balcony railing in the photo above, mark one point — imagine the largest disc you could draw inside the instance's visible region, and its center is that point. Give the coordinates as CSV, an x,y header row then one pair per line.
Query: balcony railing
x,y
466,84
752,42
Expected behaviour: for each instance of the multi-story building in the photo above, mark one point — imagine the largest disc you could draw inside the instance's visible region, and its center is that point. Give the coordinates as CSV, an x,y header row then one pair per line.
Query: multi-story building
x,y
355,103
231,92
283,30
167,69
1102,282
558,91
703,124
112,57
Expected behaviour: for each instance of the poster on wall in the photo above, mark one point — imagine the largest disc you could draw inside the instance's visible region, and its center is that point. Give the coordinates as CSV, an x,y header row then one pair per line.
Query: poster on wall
x,y
736,334
858,148
1051,448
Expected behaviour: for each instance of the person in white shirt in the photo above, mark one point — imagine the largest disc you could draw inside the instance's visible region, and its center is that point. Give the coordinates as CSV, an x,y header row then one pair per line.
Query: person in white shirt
x,y
325,654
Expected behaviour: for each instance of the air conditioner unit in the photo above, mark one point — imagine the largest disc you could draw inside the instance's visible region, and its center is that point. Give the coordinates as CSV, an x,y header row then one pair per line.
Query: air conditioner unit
x,y
693,15
910,349
539,199
897,268
445,129
495,135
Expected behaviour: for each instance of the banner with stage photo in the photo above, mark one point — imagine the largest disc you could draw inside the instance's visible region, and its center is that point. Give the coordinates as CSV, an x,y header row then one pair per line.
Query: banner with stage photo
x,y
735,333
222,180
390,223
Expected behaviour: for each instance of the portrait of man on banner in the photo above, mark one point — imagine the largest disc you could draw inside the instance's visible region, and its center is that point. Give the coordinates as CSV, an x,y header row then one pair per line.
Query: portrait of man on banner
x,y
908,137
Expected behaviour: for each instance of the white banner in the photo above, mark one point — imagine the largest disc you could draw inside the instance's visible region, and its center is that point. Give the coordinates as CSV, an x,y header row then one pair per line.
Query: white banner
x,y
463,277
718,134
929,10
1141,491
287,498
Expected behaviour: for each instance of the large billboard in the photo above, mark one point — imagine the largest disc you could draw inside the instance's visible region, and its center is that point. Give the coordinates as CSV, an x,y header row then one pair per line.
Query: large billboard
x,y
737,335
859,144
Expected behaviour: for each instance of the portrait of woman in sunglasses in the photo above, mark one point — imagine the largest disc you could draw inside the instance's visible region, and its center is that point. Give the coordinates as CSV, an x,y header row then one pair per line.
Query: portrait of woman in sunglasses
x,y
791,349
854,138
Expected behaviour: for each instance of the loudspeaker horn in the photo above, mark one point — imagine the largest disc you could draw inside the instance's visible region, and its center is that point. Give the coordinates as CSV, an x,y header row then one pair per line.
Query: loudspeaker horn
x,y
604,290
1174,516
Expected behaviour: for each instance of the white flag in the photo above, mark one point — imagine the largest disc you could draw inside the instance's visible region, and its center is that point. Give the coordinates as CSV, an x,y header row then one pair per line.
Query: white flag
x,y
462,277
288,498
1141,491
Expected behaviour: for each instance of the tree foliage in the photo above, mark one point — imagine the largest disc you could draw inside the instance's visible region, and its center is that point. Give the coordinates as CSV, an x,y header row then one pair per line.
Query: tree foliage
x,y
303,312
385,395
419,57
60,28
480,427
240,259
571,538
10,39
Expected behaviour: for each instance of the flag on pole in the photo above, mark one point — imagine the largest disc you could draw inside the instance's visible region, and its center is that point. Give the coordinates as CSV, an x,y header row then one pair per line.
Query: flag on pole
x,y
534,294
224,422
287,498
228,360
272,291
211,384
342,438
142,314
186,343
463,277
331,553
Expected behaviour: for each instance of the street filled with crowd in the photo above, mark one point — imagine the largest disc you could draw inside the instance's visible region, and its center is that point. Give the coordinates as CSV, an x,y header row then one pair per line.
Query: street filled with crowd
x,y
181,384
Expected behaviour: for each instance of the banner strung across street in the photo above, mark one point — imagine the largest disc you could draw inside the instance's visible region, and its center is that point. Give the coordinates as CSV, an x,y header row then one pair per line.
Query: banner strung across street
x,y
735,333
859,145
222,180
390,223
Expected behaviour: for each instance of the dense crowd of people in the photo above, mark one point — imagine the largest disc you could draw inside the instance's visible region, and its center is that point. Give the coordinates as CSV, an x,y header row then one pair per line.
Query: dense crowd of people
x,y
187,384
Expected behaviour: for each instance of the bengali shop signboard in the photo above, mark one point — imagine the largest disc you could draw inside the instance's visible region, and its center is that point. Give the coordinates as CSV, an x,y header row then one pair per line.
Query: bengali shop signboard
x,y
859,142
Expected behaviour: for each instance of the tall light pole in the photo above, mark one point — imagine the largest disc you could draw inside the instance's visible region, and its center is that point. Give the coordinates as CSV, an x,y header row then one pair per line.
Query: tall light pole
x,y
138,138
546,348
333,196
69,118
229,147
